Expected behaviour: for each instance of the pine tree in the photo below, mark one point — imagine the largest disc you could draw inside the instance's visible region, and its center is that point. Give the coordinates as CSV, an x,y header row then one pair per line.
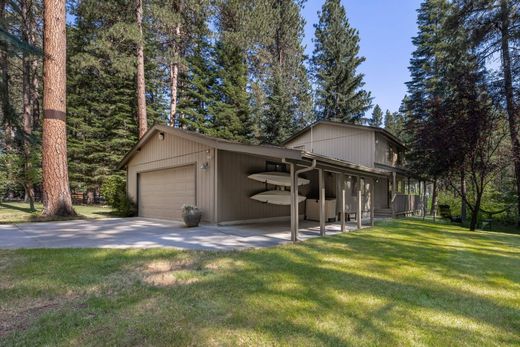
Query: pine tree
x,y
287,89
377,117
231,110
196,77
57,199
339,88
101,90
495,32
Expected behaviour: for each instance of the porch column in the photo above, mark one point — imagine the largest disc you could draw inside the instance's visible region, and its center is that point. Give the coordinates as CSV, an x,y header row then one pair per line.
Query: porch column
x,y
394,188
359,203
343,197
372,201
294,203
321,179
408,178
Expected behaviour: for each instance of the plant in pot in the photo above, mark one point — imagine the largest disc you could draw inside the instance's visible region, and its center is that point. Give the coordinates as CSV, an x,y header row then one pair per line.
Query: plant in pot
x,y
191,215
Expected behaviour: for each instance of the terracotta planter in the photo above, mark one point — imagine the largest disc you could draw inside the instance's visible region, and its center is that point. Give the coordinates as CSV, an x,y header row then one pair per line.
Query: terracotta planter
x,y
191,217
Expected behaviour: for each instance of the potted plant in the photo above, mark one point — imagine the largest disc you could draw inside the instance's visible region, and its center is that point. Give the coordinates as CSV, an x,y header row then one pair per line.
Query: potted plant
x,y
191,215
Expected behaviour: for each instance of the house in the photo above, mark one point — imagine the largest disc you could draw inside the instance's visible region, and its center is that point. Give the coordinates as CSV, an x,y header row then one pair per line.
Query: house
x,y
170,167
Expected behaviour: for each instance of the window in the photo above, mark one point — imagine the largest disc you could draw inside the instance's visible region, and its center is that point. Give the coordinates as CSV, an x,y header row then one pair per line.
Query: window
x,y
271,166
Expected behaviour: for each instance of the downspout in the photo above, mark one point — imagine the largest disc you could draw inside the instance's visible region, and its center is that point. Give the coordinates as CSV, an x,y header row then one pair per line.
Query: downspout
x,y
294,196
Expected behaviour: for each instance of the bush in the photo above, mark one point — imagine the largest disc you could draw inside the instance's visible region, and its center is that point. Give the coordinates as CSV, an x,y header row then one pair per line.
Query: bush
x,y
114,191
111,188
126,207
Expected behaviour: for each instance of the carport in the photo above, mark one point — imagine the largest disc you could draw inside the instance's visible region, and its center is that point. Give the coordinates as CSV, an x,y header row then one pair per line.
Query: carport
x,y
343,170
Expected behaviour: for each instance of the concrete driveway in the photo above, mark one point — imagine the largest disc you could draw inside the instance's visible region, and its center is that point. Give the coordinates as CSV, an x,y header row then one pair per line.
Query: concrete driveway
x,y
150,233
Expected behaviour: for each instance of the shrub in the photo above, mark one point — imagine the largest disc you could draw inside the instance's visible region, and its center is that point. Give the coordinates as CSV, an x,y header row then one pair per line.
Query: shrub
x,y
114,191
126,207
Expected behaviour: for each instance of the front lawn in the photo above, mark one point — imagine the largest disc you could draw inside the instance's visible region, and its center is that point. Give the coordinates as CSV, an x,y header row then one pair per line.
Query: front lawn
x,y
401,283
19,212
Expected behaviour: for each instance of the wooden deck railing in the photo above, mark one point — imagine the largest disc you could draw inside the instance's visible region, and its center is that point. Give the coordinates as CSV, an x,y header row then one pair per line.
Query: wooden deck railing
x,y
405,204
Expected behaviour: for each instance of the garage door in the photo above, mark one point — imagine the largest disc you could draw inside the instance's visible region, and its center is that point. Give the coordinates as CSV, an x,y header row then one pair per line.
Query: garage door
x,y
163,192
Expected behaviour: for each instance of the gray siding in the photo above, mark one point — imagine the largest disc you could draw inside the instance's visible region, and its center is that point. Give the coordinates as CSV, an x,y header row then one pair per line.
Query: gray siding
x,y
351,144
173,152
387,152
235,189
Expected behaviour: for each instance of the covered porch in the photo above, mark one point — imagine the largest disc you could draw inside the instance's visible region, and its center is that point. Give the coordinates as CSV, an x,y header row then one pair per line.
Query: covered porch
x,y
341,195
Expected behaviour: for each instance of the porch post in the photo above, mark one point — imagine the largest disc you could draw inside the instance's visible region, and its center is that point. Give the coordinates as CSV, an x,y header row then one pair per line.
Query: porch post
x,y
393,193
408,178
342,177
359,209
372,201
294,203
321,179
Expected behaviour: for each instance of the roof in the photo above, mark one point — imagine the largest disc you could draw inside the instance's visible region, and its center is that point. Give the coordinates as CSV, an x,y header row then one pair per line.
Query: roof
x,y
214,142
347,125
263,150
345,165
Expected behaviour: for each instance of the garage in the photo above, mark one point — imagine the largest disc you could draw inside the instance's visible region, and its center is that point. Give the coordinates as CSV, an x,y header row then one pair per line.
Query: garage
x,y
161,193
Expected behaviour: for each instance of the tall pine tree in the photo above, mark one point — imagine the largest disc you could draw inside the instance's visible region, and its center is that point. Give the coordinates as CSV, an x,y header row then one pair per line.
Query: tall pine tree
x,y
339,87
377,117
231,110
284,79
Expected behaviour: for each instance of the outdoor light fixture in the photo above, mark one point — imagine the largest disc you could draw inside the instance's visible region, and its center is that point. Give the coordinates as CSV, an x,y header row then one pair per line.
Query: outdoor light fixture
x,y
204,166
161,136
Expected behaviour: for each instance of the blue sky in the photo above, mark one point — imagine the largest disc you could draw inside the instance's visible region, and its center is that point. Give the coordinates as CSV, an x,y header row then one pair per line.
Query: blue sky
x,y
385,29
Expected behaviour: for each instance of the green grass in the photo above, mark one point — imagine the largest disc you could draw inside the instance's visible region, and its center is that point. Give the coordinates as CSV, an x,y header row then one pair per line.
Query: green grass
x,y
401,283
19,212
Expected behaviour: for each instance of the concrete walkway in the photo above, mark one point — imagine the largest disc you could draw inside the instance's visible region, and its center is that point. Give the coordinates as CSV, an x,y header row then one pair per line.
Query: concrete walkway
x,y
150,233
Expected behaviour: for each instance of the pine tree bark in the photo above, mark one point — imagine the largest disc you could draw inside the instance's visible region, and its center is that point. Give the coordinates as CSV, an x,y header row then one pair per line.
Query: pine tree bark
x,y
29,36
174,76
512,111
140,82
56,191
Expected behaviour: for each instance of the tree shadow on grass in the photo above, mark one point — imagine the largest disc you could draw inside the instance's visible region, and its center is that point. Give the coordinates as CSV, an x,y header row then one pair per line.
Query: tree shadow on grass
x,y
18,208
320,292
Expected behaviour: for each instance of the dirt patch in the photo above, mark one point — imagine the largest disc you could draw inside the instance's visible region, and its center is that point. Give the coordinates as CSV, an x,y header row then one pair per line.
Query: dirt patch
x,y
223,264
21,319
164,273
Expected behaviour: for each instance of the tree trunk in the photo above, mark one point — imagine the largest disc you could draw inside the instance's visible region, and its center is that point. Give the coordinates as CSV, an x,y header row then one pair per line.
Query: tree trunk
x,y
28,35
57,199
140,90
174,75
174,64
474,213
512,112
7,109
463,206
433,210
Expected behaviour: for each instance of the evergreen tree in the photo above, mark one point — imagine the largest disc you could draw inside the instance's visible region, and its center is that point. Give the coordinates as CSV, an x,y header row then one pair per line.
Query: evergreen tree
x,y
101,90
231,109
495,32
339,88
389,121
288,102
377,117
196,84
196,75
